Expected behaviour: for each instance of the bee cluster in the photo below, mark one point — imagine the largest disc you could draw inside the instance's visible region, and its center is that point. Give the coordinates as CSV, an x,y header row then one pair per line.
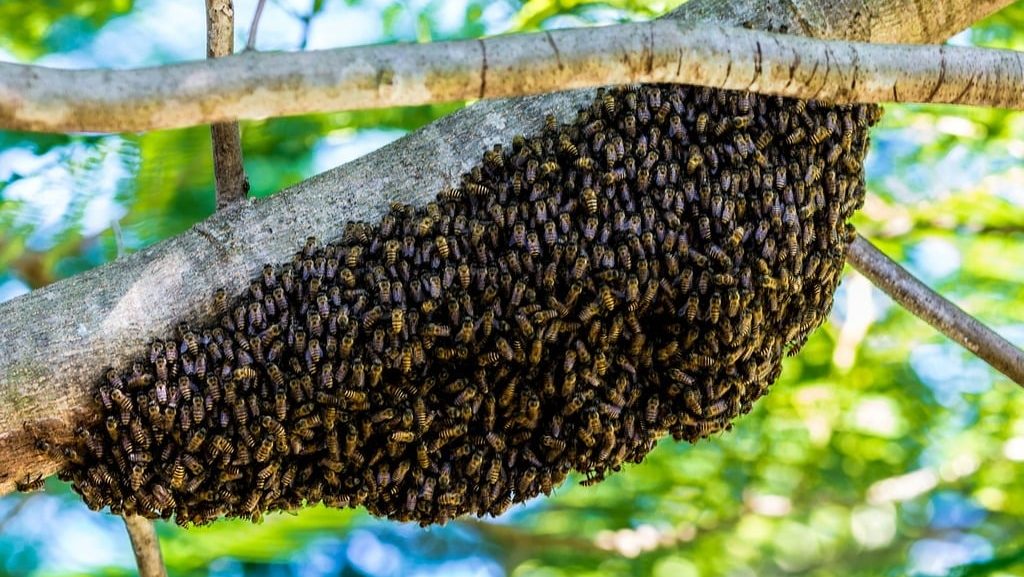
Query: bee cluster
x,y
638,272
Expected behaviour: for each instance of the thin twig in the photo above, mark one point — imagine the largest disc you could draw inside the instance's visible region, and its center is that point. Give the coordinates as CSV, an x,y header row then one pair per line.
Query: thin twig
x,y
935,310
115,225
229,172
146,546
258,85
307,21
250,42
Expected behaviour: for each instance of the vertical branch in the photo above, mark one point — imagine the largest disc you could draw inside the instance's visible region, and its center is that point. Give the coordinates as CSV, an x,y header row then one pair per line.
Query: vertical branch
x,y
146,546
228,169
250,42
935,310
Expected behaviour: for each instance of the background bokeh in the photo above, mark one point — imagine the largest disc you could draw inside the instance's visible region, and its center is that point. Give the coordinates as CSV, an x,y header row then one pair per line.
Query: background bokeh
x,y
883,450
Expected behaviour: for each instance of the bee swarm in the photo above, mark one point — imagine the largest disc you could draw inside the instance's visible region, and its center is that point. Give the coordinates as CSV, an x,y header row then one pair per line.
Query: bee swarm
x,y
636,273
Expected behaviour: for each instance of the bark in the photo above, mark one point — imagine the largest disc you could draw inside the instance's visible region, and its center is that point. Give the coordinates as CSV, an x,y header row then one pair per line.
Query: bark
x,y
146,546
55,342
940,313
259,85
226,137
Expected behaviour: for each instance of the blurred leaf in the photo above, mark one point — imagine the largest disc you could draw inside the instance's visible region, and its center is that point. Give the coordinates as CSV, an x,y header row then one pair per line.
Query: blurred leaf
x,y
32,29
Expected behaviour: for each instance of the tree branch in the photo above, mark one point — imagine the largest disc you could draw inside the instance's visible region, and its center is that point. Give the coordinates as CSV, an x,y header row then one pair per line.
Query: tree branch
x,y
257,85
228,170
934,309
146,546
250,42
55,342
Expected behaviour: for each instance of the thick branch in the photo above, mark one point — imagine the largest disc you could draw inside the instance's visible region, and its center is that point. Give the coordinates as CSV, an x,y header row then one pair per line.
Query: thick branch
x,y
934,309
258,85
146,546
56,341
228,170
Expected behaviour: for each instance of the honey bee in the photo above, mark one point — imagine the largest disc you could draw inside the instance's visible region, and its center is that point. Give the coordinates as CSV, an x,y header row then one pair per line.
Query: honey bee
x,y
536,351
402,436
702,123
29,485
494,471
796,136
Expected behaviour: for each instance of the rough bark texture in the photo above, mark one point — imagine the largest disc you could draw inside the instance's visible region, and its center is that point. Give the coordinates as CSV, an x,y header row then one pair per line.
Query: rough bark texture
x,y
410,74
55,342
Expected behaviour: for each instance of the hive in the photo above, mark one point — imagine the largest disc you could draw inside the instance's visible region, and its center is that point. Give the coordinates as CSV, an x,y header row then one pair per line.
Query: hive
x,y
582,293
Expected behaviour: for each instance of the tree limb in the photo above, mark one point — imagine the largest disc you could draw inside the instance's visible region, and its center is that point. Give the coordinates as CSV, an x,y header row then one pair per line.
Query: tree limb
x,y
146,546
934,309
258,85
55,342
228,170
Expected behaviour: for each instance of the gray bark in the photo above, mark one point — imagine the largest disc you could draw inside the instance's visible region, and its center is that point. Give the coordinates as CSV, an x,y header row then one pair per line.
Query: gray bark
x,y
258,85
937,311
55,342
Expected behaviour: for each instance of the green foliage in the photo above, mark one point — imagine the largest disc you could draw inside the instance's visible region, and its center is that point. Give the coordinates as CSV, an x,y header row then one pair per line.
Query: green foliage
x,y
540,14
34,29
883,450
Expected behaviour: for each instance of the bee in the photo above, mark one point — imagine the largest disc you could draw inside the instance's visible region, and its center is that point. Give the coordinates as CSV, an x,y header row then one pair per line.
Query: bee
x,y
702,123
494,471
220,302
422,458
585,163
575,404
496,441
375,373
607,102
443,250
177,474
651,410
123,402
593,128
536,351
820,135
452,432
796,136
493,159
662,113
29,485
424,226
402,436
589,197
476,461
548,167
566,146
397,321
